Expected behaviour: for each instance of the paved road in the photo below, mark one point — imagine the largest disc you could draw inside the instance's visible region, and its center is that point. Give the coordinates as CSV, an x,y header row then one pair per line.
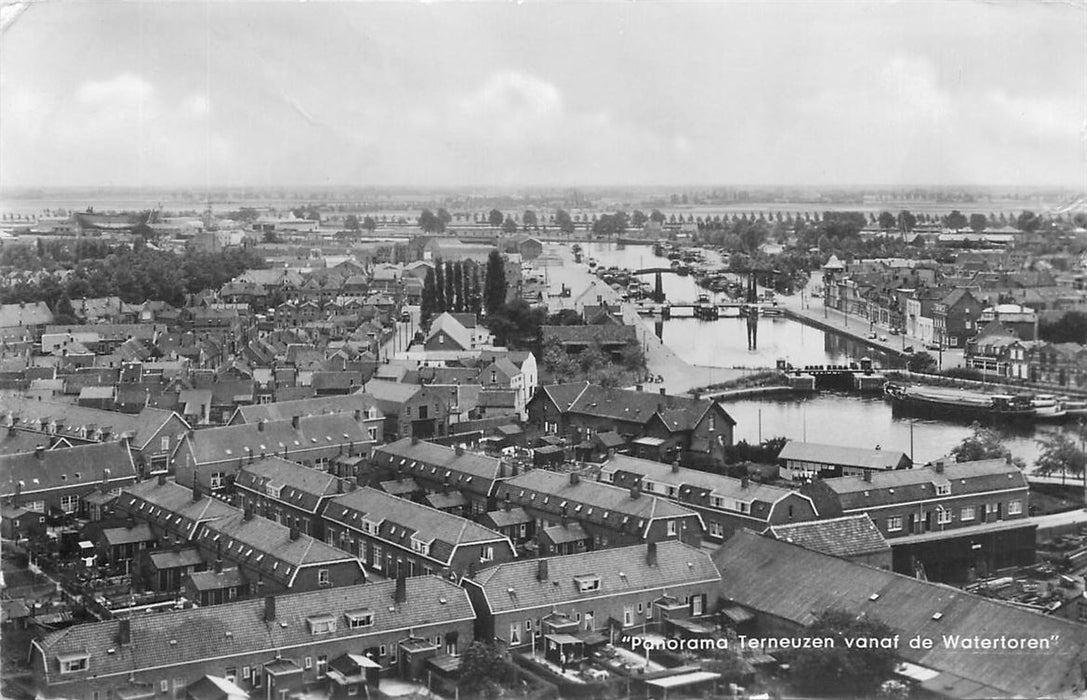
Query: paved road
x,y
679,375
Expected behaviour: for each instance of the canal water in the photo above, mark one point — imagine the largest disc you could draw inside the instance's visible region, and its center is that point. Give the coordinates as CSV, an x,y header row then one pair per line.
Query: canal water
x,y
831,418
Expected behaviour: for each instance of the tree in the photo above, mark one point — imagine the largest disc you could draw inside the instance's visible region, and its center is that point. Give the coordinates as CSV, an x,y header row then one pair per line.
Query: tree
x,y
982,443
509,225
956,220
430,223
563,221
638,219
886,220
922,362
494,289
475,296
529,219
657,215
846,669
495,218
430,299
1058,454
440,302
351,223
450,288
1069,328
481,671
1028,221
445,217
906,221
464,291
458,286
979,222
63,312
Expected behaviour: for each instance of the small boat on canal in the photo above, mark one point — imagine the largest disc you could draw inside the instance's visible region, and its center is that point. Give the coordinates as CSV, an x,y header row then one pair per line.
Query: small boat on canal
x,y
941,401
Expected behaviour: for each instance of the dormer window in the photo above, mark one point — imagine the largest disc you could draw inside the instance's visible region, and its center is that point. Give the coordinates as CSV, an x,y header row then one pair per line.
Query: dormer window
x,y
420,546
587,584
943,489
74,663
273,490
321,624
370,527
359,618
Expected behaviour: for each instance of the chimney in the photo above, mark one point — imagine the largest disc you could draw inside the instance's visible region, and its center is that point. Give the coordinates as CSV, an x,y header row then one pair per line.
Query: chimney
x,y
651,554
39,451
574,478
638,387
868,475
459,450
663,392
358,415
745,481
269,608
506,505
124,631
401,594
294,533
247,514
635,492
260,425
197,494
294,422
15,499
218,565
541,570
162,478
675,467
415,439
939,466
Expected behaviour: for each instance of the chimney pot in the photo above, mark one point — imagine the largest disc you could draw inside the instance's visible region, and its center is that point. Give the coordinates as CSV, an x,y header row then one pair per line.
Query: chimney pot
x,y
541,570
745,481
260,426
635,492
401,594
675,467
218,565
295,533
294,422
574,478
940,466
162,478
868,475
415,439
663,391
651,554
247,514
124,631
197,494
460,450
39,451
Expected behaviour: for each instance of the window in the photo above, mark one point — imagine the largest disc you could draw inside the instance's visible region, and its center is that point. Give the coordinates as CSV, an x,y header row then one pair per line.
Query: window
x,y
322,665
967,513
376,562
322,578
359,618
671,528
309,662
381,650
487,554
894,523
164,686
69,503
164,443
716,530
943,489
74,663
1015,507
628,615
372,432
420,546
216,480
587,584
245,672
321,624
231,674
353,689
515,634
943,516
35,506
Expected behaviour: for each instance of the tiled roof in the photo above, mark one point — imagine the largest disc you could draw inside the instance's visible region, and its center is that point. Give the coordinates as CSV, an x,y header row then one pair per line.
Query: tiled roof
x,y
717,484
448,324
170,506
598,502
850,536
140,532
235,442
837,454
506,518
72,466
470,471
298,485
27,413
622,570
589,334
399,520
795,584
903,485
212,580
564,395
189,636
168,559
677,413
28,314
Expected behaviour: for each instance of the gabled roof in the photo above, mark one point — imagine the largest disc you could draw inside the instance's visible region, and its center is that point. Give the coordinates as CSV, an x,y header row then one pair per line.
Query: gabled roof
x,y
676,413
716,484
794,584
838,454
85,465
622,570
400,520
849,536
453,328
200,634
237,442
467,470
564,395
906,485
295,484
140,532
316,406
170,506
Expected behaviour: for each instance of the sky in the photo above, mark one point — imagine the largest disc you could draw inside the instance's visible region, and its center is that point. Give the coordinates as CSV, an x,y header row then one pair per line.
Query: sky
x,y
186,94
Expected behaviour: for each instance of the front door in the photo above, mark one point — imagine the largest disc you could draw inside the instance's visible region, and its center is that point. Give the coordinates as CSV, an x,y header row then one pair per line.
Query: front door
x,y
588,620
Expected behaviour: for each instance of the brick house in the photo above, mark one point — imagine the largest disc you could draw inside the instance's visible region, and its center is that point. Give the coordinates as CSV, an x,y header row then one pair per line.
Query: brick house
x,y
946,519
593,594
852,537
955,317
804,460
211,458
278,643
412,410
57,481
362,408
572,514
725,504
394,536
287,492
